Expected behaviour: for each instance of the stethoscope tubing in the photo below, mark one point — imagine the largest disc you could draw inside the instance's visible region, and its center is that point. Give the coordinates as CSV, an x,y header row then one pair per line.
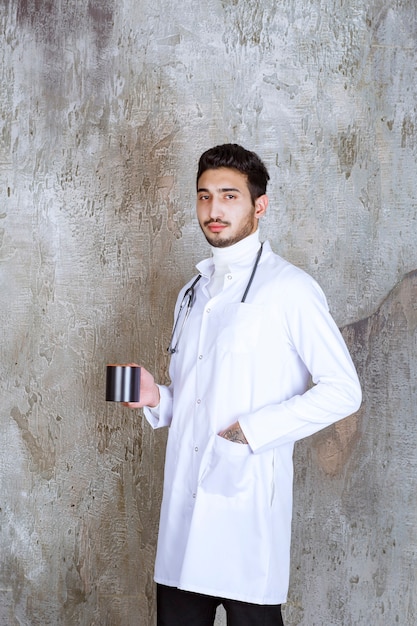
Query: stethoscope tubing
x,y
188,300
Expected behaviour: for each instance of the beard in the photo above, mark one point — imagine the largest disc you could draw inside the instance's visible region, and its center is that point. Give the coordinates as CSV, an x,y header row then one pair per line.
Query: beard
x,y
245,229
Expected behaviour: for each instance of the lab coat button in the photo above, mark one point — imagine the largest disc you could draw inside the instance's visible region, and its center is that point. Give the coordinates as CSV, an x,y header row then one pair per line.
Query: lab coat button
x,y
229,276
198,401
196,449
200,357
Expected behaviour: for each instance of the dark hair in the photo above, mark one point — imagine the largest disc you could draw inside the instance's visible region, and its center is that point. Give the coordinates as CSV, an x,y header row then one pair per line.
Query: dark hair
x,y
233,156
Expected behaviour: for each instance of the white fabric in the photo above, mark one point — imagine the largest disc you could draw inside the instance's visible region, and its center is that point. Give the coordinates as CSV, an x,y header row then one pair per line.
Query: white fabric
x,y
223,258
226,513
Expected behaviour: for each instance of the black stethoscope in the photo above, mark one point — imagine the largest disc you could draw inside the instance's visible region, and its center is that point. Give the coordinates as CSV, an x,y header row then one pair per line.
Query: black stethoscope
x,y
188,300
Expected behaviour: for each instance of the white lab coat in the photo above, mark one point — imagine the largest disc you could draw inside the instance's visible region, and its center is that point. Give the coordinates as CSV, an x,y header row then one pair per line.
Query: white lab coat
x,y
225,522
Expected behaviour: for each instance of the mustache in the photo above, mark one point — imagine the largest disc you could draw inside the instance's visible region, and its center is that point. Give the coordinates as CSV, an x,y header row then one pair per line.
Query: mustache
x,y
216,221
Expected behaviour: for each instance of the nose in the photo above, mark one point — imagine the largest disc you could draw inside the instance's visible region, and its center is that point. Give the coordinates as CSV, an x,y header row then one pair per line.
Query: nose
x,y
216,209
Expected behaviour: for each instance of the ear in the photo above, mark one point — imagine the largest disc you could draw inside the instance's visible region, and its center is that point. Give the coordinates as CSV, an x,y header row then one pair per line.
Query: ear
x,y
261,204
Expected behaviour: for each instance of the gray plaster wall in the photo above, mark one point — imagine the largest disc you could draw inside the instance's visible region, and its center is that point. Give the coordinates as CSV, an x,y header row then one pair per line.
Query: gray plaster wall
x,y
105,108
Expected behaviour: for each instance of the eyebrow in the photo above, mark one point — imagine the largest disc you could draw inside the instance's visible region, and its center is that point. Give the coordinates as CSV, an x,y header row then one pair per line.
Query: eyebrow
x,y
221,190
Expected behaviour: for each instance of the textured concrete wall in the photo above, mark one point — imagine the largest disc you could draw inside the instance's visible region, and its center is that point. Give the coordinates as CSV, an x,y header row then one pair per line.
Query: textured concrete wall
x,y
105,108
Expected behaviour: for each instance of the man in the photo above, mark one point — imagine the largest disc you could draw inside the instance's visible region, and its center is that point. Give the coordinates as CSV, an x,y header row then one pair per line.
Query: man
x,y
257,363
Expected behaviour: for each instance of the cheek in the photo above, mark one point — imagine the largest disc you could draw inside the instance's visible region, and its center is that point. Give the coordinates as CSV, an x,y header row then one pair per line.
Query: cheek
x,y
200,214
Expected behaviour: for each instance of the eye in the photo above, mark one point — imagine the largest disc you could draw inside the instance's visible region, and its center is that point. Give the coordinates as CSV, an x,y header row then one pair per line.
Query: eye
x,y
203,197
230,196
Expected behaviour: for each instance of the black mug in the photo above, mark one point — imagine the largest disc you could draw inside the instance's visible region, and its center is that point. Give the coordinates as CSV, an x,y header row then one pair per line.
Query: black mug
x,y
123,383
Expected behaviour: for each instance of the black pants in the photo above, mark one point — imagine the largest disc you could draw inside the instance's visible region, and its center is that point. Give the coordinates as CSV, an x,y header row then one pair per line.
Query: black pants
x,y
183,608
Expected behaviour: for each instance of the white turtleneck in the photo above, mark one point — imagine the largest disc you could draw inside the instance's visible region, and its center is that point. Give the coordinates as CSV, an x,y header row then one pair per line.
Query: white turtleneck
x,y
223,258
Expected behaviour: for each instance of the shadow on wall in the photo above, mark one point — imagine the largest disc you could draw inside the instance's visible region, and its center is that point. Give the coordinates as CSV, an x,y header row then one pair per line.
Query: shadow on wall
x,y
383,350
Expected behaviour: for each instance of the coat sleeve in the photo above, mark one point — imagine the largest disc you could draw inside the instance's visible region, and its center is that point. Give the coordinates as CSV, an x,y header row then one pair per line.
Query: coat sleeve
x,y
160,415
335,392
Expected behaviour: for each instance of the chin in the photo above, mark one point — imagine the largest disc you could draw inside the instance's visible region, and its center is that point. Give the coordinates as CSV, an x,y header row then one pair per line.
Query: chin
x,y
221,243
217,242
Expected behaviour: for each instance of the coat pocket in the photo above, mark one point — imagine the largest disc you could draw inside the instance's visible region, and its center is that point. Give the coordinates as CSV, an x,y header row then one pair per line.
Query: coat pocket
x,y
229,470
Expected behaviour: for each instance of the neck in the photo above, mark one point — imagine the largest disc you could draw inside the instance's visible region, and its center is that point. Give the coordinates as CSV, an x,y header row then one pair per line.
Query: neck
x,y
243,250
